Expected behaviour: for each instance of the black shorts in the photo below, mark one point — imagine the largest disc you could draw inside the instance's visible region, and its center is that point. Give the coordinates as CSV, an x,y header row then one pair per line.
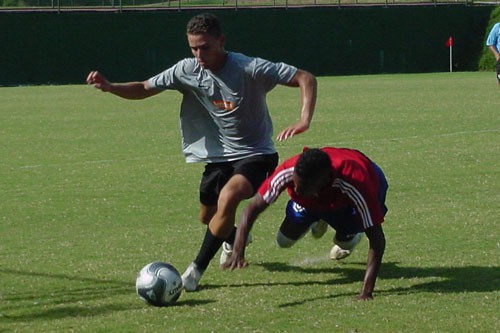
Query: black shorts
x,y
256,169
498,70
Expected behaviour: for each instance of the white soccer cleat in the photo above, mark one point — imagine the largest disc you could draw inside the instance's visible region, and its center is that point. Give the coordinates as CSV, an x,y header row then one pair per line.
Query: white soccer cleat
x,y
318,229
227,250
343,249
191,277
337,253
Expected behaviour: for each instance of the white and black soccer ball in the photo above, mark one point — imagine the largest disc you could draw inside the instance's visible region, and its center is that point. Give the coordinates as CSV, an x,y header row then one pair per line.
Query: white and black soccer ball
x,y
159,284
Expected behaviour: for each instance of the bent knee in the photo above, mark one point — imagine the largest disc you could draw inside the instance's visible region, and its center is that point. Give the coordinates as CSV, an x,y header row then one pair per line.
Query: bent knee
x,y
204,219
237,189
206,214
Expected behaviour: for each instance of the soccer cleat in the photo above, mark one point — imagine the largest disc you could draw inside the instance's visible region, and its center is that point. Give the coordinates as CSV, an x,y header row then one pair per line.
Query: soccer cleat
x,y
191,277
343,249
227,250
337,253
318,229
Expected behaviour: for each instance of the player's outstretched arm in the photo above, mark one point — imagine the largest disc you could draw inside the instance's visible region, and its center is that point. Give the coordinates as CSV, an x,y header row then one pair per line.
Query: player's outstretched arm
x,y
376,238
308,91
129,90
248,216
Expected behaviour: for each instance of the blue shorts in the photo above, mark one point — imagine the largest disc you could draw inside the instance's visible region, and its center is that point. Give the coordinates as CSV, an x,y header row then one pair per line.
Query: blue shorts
x,y
298,219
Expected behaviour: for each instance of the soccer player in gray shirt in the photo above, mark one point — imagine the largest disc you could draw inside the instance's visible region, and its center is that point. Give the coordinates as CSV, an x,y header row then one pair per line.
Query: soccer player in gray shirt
x,y
225,123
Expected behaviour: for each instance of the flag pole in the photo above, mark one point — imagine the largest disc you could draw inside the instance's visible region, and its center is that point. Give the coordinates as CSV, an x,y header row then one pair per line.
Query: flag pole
x,y
451,58
449,44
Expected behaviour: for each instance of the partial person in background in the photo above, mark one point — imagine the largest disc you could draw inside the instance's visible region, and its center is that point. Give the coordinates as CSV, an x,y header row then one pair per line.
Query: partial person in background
x,y
225,123
493,43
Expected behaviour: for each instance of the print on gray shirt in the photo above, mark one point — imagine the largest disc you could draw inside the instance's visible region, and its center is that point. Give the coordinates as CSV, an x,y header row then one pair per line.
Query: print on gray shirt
x,y
224,116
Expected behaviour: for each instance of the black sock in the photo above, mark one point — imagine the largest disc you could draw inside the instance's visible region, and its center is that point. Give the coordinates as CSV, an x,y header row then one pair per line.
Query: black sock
x,y
231,237
211,244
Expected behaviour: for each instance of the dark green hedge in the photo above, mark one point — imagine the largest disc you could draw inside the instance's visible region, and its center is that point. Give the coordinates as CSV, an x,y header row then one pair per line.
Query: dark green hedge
x,y
56,48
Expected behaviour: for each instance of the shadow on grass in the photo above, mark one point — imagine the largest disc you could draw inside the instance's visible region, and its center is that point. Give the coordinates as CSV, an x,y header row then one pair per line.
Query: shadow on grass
x,y
451,279
445,279
71,296
92,296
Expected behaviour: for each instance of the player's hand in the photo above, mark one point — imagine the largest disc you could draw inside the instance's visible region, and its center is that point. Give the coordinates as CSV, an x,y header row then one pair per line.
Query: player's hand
x,y
234,262
292,130
98,81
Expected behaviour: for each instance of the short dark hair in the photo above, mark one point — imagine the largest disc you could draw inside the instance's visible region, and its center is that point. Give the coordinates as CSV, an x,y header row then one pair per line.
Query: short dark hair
x,y
204,23
312,163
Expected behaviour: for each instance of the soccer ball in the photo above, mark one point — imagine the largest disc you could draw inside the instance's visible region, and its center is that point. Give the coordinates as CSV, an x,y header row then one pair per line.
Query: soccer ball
x,y
159,284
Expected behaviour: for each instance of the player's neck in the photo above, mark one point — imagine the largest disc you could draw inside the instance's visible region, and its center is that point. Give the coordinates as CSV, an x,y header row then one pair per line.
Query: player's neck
x,y
221,63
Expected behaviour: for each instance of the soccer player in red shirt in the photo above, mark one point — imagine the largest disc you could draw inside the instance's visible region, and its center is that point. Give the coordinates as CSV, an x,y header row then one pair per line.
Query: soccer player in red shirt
x,y
339,186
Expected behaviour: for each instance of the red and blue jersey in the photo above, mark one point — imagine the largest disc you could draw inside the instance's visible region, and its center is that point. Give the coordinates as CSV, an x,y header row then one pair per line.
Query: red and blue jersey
x,y
356,183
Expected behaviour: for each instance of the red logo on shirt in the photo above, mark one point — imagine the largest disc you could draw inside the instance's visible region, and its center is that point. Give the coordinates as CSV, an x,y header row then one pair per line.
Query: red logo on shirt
x,y
224,105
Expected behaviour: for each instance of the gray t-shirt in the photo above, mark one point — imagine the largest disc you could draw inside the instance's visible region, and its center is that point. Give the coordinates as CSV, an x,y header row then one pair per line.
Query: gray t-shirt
x,y
224,116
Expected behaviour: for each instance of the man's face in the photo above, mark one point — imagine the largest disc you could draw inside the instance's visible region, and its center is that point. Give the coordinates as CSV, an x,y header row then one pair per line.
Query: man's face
x,y
208,50
311,187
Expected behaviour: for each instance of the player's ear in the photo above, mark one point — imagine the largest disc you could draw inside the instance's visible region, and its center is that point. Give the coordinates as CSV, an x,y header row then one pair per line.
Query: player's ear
x,y
222,40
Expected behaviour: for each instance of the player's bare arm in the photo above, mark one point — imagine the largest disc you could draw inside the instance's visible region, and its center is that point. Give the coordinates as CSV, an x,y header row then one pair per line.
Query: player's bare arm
x,y
129,90
376,238
248,216
308,91
495,52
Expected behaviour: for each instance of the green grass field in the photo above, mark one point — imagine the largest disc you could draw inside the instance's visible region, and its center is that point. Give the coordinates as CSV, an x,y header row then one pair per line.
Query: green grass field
x,y
94,187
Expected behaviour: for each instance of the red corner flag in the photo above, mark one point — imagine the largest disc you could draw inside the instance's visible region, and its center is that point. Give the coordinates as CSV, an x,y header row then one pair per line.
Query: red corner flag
x,y
449,42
